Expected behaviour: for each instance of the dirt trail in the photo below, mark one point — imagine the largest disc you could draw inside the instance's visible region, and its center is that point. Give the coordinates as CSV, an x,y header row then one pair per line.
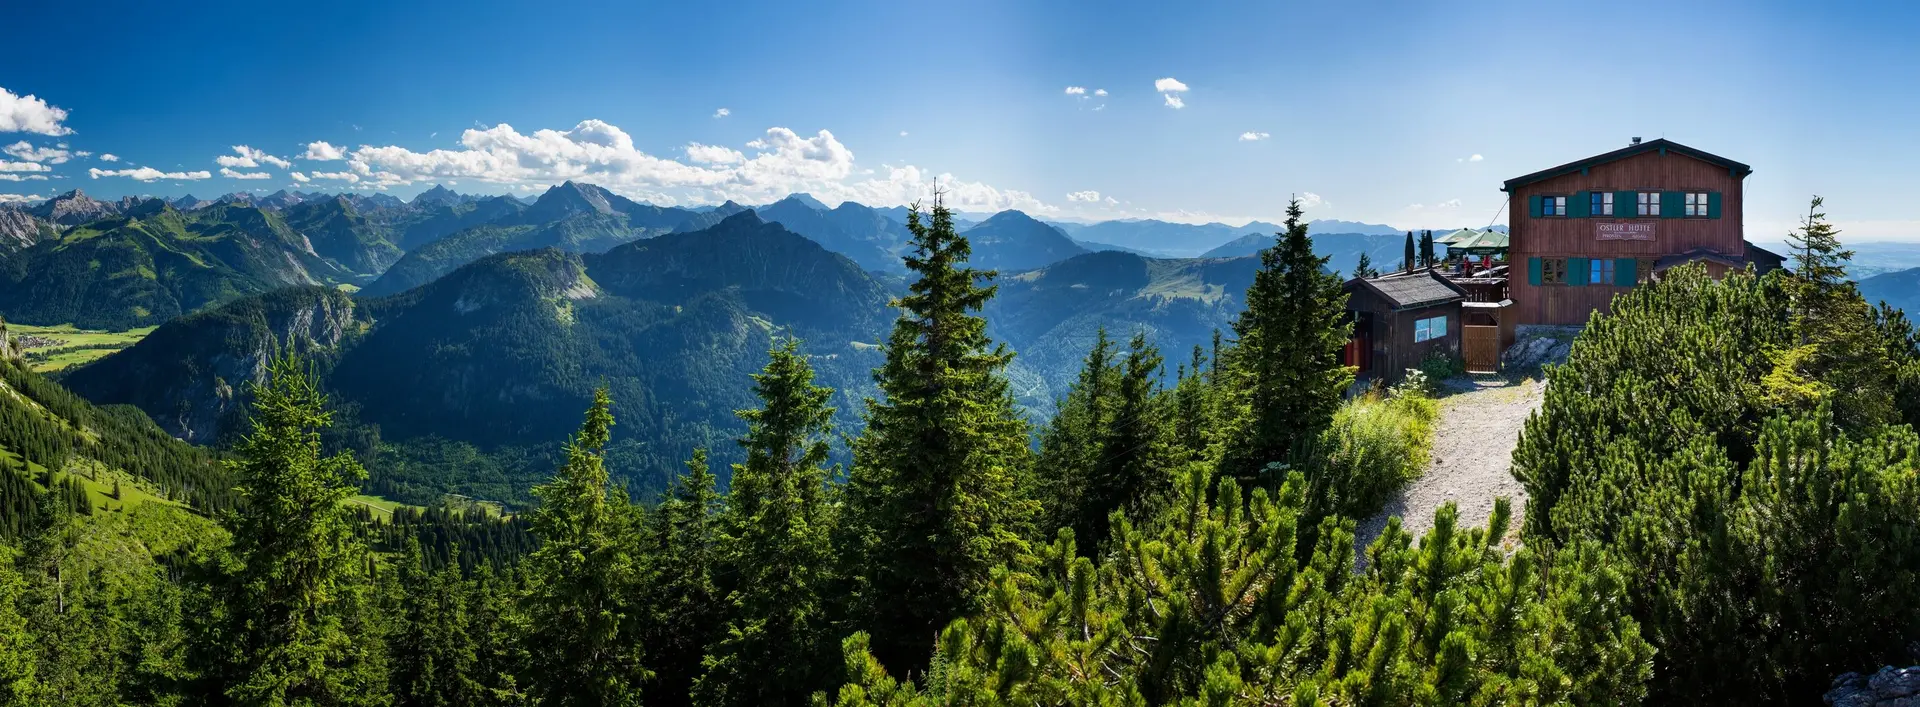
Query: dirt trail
x,y
1473,443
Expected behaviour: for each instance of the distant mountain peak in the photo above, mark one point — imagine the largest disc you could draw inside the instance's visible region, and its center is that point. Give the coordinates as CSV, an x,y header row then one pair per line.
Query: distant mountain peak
x,y
807,199
745,217
438,194
568,198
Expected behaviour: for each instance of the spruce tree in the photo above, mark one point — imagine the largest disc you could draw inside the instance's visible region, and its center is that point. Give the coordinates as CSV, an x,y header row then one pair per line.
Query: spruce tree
x,y
775,547
582,646
1364,268
299,594
1287,378
1407,263
1070,444
684,611
932,500
1427,257
17,684
1133,462
433,657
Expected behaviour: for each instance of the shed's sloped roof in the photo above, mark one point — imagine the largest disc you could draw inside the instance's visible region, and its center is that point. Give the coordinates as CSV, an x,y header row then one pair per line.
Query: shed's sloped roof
x,y
1662,144
1418,289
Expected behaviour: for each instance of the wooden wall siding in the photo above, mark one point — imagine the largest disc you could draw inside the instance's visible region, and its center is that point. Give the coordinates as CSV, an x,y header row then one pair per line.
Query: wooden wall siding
x,y
1575,237
1394,350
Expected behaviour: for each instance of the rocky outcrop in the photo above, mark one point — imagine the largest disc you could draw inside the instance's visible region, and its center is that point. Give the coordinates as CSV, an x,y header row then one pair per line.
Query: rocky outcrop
x,y
208,360
19,230
73,208
1891,687
1536,346
10,350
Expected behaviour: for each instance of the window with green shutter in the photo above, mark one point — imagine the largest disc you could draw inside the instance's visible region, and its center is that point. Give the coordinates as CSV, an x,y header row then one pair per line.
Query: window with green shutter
x,y
1577,268
1672,205
1625,272
1533,206
1577,207
1623,203
1713,204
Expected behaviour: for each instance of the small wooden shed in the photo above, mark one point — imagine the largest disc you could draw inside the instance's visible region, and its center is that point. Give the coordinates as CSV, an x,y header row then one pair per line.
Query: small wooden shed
x,y
1400,320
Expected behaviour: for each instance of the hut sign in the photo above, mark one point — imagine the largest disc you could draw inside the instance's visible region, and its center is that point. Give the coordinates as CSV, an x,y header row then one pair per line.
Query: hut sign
x,y
1624,231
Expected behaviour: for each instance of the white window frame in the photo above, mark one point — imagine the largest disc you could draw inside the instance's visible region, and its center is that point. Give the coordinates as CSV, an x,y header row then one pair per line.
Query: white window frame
x,y
1553,206
1697,203
1606,203
1423,329
1649,203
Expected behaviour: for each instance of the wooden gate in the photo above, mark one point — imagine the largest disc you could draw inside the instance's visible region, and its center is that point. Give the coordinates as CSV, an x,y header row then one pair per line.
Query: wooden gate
x,y
1482,348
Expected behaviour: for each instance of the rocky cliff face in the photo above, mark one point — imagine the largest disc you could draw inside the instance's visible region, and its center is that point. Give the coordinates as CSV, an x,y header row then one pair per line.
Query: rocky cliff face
x,y
20,230
9,349
1891,687
209,359
74,208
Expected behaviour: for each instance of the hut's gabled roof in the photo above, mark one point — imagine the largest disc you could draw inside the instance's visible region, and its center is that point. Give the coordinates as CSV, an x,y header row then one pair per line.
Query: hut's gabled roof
x,y
1421,288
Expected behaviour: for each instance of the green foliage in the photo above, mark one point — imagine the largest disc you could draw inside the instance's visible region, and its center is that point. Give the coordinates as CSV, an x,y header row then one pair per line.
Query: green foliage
x,y
1365,269
583,644
1286,377
297,595
17,683
433,658
1744,455
775,548
1440,366
1375,446
683,609
1210,605
933,502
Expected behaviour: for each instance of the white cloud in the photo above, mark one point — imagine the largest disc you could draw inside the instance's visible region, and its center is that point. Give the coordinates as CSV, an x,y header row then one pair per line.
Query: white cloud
x,y
26,151
903,133
230,173
27,114
1475,158
1169,85
714,154
1084,196
1448,204
250,158
1174,101
1250,136
6,166
1076,91
11,177
1309,200
323,152
109,157
147,174
17,198
1100,92
781,162
722,113
298,177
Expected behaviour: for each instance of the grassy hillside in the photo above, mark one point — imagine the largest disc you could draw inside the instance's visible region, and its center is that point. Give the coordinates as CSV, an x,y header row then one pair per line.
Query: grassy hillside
x,y
73,346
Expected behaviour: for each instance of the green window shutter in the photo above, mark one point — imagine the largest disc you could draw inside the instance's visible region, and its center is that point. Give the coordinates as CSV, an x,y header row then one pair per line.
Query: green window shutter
x,y
1626,204
1713,204
1577,274
1579,204
1533,206
1533,271
1625,272
1673,204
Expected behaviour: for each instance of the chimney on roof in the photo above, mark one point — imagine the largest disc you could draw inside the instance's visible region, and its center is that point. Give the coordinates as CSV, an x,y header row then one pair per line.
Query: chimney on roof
x,y
1636,141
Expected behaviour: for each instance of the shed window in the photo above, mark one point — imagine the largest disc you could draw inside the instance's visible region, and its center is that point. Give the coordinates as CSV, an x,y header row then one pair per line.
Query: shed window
x,y
1553,271
1429,329
1697,204
1602,203
1601,271
1649,203
1553,206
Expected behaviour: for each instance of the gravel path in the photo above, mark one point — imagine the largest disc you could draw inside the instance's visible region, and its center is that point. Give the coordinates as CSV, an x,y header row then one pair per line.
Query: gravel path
x,y
1473,443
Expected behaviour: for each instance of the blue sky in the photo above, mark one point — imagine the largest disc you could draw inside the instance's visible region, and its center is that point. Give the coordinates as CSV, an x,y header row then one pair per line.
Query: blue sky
x,y
1409,114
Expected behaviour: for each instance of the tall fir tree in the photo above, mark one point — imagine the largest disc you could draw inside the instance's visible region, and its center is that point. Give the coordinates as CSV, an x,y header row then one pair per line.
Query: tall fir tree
x,y
933,501
583,646
776,548
300,593
1194,408
684,612
1287,378
433,656
1408,262
1427,257
1364,268
1133,464
1070,444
